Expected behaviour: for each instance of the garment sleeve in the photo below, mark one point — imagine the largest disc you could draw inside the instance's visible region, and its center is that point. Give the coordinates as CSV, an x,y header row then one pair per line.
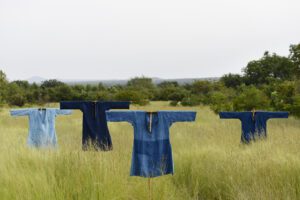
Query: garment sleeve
x,y
229,115
181,116
119,105
63,112
20,112
277,115
71,105
119,116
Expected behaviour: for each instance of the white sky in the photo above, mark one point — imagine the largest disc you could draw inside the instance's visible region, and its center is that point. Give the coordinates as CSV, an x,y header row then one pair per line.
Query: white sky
x,y
112,39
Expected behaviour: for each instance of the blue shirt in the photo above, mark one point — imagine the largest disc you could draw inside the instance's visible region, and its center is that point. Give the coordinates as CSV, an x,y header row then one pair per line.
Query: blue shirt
x,y
253,124
152,153
41,125
95,130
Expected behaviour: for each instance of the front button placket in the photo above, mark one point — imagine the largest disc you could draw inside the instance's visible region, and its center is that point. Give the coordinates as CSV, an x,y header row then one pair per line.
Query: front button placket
x,y
43,113
94,109
150,124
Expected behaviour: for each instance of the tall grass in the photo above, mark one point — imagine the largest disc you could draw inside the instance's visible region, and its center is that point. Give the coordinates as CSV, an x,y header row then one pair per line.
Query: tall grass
x,y
210,162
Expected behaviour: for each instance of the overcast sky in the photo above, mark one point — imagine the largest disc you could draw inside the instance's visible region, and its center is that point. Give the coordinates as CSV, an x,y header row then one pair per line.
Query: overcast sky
x,y
119,39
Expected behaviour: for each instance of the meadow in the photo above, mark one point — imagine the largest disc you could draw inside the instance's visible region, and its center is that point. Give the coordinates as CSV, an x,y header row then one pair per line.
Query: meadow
x,y
210,162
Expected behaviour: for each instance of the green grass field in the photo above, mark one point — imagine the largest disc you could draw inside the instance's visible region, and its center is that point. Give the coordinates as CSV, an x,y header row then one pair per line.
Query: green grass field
x,y
210,162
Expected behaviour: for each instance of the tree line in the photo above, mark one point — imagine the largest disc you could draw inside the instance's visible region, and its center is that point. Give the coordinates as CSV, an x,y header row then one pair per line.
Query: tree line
x,y
269,83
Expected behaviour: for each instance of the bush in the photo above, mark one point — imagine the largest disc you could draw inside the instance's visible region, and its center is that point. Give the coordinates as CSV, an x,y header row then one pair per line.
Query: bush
x,y
63,93
174,103
177,95
103,95
15,95
201,87
295,108
193,100
232,80
52,83
219,101
17,100
249,98
134,96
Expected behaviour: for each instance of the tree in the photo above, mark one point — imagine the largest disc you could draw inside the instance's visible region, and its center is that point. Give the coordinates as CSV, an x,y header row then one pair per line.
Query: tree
x,y
249,97
3,85
295,57
51,83
142,85
269,68
167,84
201,87
64,93
191,100
3,79
101,86
34,94
22,84
295,108
282,97
232,80
15,95
79,92
177,95
131,95
141,82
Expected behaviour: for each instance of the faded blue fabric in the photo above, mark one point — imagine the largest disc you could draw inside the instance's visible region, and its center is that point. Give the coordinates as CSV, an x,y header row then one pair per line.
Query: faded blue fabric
x,y
253,124
152,152
95,131
41,125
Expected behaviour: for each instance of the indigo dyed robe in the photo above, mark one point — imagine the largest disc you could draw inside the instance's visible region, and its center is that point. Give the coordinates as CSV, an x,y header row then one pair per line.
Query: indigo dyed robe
x,y
41,125
95,131
253,125
152,152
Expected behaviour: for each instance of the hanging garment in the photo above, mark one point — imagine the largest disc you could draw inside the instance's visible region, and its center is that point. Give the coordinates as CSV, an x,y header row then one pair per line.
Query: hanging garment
x,y
41,125
95,130
152,153
254,124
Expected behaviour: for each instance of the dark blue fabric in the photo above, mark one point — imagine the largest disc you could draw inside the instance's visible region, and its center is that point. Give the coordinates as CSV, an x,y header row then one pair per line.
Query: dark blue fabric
x,y
152,152
95,130
253,124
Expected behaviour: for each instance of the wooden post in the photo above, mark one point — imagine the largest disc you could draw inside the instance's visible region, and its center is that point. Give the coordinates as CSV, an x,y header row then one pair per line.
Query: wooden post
x,y
149,188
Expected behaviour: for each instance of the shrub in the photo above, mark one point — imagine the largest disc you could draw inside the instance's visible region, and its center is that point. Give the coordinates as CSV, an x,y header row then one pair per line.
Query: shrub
x,y
249,98
134,96
232,80
193,100
219,101
15,95
295,108
17,100
174,103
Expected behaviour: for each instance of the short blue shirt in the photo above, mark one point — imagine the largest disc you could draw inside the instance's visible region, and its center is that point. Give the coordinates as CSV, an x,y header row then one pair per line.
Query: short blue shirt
x,y
253,124
152,152
41,125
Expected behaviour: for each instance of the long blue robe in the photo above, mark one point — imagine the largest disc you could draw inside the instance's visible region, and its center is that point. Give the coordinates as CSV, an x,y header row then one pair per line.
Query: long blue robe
x,y
152,152
95,131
